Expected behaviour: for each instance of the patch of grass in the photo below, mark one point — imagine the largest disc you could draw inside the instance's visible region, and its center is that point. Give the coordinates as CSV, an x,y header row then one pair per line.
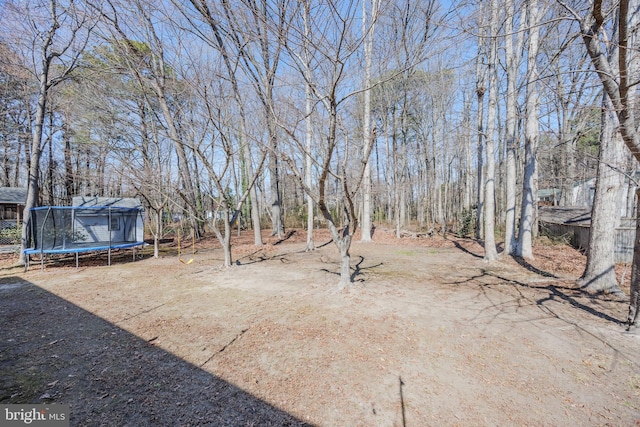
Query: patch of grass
x,y
394,274
635,384
407,252
411,252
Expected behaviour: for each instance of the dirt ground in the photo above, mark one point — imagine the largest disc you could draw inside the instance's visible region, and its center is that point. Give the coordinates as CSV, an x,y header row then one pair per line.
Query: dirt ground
x,y
428,335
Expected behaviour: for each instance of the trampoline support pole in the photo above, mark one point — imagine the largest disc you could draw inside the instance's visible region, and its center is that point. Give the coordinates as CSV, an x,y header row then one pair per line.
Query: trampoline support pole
x,y
109,228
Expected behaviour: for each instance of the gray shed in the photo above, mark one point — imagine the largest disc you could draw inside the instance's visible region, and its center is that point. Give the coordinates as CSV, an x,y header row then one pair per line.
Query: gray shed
x,y
574,223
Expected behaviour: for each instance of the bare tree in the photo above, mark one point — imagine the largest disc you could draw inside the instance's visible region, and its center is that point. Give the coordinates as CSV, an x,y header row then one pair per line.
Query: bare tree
x,y
490,251
218,130
141,49
55,33
513,55
480,90
257,31
368,30
621,87
331,36
215,140
217,41
528,214
14,116
308,110
599,274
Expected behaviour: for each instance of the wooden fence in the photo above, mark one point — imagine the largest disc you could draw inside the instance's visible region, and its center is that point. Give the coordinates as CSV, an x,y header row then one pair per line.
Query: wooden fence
x,y
578,236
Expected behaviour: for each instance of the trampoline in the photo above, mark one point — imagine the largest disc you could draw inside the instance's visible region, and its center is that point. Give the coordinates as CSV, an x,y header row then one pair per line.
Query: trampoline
x,y
78,229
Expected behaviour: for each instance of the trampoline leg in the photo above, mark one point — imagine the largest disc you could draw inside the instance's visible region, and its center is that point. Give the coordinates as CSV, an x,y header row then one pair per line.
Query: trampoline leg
x,y
42,262
109,255
76,261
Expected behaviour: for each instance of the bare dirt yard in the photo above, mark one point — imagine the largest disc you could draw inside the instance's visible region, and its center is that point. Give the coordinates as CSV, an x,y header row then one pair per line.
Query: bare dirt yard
x,y
428,335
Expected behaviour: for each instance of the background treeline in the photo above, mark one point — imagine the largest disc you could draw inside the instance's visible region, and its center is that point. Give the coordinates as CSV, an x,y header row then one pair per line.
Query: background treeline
x,y
412,115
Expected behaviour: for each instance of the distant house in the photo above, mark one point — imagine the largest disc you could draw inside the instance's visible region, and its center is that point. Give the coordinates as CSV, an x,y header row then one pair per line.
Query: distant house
x,y
12,201
584,192
549,196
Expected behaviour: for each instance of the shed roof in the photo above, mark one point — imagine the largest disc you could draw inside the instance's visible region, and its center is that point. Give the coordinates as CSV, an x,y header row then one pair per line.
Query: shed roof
x,y
565,215
123,202
13,195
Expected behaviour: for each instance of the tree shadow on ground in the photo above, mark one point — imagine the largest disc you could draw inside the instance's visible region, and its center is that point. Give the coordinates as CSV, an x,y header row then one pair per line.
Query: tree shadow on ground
x,y
287,236
253,259
517,259
357,270
52,351
465,250
324,244
533,269
552,293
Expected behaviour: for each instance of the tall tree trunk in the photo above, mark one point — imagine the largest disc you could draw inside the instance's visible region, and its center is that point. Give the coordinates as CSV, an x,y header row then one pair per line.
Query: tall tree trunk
x,y
33,189
368,26
33,185
253,193
51,168
6,166
528,218
309,126
513,55
44,40
480,91
396,172
568,157
264,83
468,172
277,214
599,275
21,141
307,172
629,34
634,301
68,165
490,251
